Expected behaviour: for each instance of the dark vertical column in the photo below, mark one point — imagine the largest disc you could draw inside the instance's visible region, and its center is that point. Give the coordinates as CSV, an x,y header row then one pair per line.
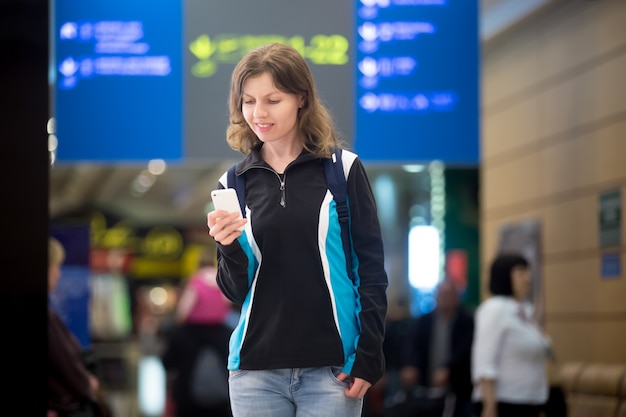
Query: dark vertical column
x,y
24,203
463,224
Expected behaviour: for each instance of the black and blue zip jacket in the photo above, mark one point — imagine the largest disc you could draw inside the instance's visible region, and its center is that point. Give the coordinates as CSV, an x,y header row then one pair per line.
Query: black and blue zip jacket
x,y
300,308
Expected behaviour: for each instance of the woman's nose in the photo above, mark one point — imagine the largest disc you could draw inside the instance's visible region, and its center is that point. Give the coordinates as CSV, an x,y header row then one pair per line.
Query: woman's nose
x,y
259,110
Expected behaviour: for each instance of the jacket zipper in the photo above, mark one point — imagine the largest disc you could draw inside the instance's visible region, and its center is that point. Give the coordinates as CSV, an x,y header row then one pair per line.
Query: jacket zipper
x,y
283,200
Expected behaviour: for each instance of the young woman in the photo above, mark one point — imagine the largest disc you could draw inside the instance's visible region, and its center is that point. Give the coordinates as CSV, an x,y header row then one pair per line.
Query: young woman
x,y
309,341
510,350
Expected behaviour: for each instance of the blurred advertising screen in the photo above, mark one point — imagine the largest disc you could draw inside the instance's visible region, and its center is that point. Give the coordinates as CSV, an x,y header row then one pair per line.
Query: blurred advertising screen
x,y
117,80
417,75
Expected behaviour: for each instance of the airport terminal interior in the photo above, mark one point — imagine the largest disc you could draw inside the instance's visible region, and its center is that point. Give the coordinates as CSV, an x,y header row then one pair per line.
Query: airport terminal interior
x,y
518,145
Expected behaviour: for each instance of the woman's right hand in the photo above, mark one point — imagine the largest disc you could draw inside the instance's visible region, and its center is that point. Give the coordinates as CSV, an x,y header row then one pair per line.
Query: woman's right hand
x,y
224,226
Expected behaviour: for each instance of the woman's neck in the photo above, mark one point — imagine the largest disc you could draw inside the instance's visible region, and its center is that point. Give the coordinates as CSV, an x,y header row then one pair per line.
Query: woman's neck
x,y
278,156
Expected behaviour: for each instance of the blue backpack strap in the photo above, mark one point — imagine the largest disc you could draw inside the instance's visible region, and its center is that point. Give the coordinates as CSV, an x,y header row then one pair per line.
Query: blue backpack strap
x,y
337,184
239,184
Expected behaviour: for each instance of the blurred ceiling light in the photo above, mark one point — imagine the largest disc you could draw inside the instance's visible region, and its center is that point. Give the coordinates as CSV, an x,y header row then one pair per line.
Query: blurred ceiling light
x,y
142,183
53,143
137,190
413,169
146,179
158,296
51,126
157,166
436,167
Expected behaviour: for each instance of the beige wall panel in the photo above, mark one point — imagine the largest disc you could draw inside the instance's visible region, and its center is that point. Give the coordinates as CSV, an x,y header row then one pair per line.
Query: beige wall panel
x,y
488,246
580,32
567,342
564,39
587,98
609,345
489,239
509,68
570,226
592,340
596,158
575,286
508,129
515,182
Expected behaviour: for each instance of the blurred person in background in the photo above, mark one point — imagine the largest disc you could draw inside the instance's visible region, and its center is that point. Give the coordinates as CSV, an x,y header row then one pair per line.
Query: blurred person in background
x,y
438,350
510,349
398,324
73,391
201,329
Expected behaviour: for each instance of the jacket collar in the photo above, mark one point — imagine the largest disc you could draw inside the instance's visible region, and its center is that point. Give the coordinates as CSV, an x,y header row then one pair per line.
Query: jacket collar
x,y
254,160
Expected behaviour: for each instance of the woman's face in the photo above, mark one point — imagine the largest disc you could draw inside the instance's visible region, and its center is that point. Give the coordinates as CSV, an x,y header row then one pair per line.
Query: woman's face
x,y
271,114
520,281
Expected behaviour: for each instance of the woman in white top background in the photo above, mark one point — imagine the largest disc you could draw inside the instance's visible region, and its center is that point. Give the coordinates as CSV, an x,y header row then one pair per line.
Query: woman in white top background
x,y
510,349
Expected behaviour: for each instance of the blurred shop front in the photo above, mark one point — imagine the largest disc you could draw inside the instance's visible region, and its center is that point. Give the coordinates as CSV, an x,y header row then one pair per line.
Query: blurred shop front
x,y
430,225
120,284
118,292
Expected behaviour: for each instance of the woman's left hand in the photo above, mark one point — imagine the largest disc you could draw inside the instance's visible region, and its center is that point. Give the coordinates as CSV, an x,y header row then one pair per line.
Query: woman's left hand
x,y
358,387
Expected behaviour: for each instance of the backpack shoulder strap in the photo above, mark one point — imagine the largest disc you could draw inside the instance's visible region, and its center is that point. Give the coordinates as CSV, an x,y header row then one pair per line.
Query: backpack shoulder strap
x,y
337,184
238,182
336,181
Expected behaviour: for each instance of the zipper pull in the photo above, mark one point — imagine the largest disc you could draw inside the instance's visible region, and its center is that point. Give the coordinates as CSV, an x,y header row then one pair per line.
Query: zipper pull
x,y
282,194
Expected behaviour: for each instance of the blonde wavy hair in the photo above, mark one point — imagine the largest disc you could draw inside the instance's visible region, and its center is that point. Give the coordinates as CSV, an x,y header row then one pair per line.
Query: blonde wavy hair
x,y
292,75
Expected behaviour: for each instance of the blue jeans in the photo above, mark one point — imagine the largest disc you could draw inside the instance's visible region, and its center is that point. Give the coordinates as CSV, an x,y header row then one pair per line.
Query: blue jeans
x,y
297,392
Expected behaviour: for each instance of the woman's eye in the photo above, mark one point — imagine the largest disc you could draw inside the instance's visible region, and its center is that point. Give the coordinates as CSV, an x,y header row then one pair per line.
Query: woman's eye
x,y
274,101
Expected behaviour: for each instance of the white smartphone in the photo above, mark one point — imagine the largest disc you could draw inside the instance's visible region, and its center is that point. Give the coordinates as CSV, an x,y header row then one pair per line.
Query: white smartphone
x,y
226,200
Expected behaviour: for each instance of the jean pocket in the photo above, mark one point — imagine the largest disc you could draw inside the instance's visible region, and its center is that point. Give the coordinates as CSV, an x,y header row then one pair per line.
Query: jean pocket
x,y
334,372
236,374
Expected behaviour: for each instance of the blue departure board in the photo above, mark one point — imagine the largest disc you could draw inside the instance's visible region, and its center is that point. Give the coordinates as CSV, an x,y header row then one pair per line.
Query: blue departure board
x,y
118,80
141,80
417,81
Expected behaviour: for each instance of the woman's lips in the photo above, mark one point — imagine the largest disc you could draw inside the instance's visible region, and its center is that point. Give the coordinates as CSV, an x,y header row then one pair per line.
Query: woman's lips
x,y
263,127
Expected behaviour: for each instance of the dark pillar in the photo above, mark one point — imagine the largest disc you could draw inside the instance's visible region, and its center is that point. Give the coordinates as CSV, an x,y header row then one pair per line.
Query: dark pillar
x,y
24,102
